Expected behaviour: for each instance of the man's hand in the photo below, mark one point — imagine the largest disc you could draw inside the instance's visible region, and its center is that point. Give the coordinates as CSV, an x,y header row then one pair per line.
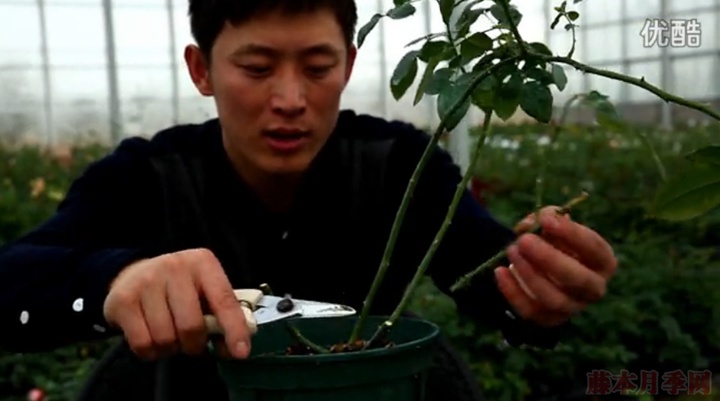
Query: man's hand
x,y
558,273
158,305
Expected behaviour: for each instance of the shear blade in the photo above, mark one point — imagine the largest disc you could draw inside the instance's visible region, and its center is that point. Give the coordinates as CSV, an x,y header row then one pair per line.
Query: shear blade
x,y
267,315
267,309
316,310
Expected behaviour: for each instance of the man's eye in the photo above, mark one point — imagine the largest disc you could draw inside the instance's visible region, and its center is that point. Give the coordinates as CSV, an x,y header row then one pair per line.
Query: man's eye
x,y
256,70
320,70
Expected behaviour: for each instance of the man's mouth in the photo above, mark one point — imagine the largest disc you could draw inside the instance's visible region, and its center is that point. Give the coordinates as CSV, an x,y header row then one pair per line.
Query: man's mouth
x,y
286,135
286,140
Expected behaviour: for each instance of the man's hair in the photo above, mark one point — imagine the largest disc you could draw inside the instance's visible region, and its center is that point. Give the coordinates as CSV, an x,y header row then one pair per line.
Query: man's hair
x,y
208,17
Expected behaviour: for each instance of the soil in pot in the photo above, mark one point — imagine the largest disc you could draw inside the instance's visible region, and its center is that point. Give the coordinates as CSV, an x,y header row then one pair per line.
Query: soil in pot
x,y
280,370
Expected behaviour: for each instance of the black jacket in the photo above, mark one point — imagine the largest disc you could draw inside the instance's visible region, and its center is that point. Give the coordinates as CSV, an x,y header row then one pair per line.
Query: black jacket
x,y
53,280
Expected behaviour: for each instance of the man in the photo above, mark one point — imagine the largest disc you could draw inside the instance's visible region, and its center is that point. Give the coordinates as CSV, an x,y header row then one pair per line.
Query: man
x,y
272,172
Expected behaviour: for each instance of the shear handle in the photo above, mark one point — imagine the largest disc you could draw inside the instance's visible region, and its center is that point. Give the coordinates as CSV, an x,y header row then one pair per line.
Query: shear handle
x,y
249,299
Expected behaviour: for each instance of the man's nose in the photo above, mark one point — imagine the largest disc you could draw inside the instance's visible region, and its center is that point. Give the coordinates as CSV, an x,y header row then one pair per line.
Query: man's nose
x,y
289,96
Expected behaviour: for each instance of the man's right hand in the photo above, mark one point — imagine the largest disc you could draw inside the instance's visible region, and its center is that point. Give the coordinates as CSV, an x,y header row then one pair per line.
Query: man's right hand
x,y
157,303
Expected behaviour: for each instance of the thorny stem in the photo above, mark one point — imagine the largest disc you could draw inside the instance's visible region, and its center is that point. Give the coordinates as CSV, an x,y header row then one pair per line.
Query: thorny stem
x,y
505,4
465,280
420,272
639,82
305,341
451,40
409,191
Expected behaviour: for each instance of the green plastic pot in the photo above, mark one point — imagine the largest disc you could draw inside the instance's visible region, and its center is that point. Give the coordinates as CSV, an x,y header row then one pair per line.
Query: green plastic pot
x,y
390,374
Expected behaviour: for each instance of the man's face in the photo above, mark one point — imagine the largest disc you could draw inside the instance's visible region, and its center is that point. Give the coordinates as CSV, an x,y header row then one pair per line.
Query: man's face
x,y
277,82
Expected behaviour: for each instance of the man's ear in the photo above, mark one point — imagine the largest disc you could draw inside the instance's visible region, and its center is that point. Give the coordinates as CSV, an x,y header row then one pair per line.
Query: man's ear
x,y
199,70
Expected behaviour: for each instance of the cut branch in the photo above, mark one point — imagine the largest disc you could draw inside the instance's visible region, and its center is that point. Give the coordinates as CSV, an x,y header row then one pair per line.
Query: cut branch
x,y
465,280
297,335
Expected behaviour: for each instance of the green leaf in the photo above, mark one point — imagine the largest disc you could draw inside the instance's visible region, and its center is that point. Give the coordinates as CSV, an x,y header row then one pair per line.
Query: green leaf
x,y
540,48
484,94
709,155
468,17
606,115
541,75
559,77
448,96
367,28
537,101
402,11
404,74
505,71
594,96
689,194
426,78
499,14
440,79
427,37
605,112
434,49
507,97
475,45
556,21
446,9
456,62
573,15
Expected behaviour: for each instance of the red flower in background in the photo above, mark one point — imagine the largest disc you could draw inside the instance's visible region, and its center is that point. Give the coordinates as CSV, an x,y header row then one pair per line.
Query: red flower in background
x,y
479,188
36,394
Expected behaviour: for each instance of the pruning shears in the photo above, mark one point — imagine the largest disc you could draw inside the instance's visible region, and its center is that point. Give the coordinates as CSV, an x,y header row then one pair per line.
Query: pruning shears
x,y
260,309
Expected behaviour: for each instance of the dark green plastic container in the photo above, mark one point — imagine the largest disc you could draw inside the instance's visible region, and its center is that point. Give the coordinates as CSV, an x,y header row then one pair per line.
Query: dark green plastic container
x,y
393,374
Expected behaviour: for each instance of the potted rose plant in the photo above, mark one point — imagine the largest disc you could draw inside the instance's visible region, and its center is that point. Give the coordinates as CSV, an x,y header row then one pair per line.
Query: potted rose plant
x,y
499,72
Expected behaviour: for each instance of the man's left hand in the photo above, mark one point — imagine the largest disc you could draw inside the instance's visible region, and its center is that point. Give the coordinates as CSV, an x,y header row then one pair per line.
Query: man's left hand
x,y
555,274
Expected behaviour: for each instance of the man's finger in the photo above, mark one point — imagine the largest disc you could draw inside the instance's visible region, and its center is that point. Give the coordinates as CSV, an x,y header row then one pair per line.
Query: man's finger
x,y
137,334
220,347
546,294
187,314
524,225
523,304
224,306
577,280
159,320
528,222
586,243
513,292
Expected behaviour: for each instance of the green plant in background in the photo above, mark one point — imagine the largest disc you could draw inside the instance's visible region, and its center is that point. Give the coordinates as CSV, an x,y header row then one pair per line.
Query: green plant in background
x,y
695,190
500,75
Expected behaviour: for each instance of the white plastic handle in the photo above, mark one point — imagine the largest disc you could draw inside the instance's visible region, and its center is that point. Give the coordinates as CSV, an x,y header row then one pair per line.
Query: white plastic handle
x,y
249,299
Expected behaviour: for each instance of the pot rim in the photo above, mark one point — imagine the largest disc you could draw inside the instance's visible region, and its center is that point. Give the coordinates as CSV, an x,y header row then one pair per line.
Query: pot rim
x,y
422,342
